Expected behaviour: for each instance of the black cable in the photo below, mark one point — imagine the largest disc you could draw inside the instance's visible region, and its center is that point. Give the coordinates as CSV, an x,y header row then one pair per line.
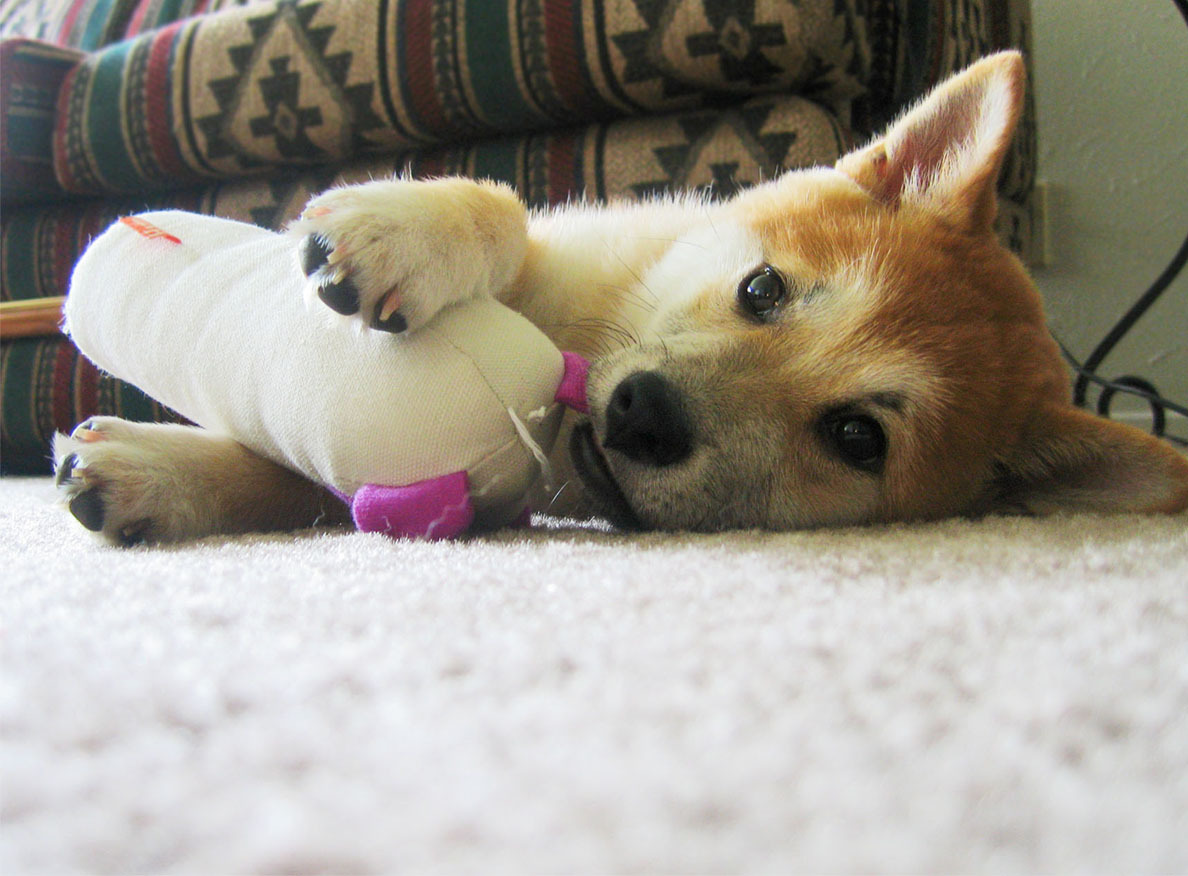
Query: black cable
x,y
1128,320
1087,372
1132,386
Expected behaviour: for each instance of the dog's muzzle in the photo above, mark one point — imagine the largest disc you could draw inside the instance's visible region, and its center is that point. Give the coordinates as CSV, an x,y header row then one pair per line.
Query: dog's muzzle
x,y
646,422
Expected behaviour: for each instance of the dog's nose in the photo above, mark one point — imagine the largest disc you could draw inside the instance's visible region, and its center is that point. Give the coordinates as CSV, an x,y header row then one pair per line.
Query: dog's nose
x,y
646,422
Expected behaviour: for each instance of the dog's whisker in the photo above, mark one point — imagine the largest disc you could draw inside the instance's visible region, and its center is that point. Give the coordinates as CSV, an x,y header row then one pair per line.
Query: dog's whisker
x,y
627,294
609,334
634,274
588,334
709,218
553,501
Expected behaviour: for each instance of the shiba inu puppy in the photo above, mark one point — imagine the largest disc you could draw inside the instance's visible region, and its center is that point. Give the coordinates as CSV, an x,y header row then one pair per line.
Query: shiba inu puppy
x,y
837,346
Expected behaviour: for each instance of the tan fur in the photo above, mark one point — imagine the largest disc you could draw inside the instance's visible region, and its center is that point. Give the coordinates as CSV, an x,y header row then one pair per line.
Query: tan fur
x,y
164,483
900,305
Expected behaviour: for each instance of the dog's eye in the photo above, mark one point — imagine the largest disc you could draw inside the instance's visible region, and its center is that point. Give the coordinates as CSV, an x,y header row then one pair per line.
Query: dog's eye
x,y
858,439
761,293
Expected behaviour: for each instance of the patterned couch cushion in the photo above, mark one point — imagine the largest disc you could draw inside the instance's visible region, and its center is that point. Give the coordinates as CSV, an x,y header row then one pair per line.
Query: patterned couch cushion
x,y
253,89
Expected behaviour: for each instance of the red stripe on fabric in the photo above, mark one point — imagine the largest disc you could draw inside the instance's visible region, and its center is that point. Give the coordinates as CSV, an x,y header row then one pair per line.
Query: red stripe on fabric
x,y
136,22
564,54
66,252
62,388
68,22
934,75
418,62
62,124
560,167
158,103
86,392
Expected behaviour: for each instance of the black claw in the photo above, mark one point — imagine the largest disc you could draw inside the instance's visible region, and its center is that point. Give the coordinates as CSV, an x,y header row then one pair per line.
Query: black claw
x,y
87,508
66,469
340,297
313,252
395,323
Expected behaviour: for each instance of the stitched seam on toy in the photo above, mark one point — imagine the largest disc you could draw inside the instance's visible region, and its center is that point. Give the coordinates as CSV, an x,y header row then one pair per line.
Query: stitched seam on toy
x,y
470,362
521,430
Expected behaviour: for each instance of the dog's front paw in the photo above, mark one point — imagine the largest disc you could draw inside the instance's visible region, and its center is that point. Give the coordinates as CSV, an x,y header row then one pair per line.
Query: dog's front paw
x,y
393,253
120,480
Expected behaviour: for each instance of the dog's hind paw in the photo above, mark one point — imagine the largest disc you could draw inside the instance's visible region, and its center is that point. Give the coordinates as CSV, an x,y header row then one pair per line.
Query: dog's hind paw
x,y
120,480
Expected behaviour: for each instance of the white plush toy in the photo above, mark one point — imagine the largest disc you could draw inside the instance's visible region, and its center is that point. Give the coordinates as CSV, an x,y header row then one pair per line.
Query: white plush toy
x,y
423,433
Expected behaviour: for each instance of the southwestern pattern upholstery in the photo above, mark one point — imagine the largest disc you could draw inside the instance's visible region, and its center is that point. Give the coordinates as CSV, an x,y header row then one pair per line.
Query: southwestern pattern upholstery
x,y
276,85
246,109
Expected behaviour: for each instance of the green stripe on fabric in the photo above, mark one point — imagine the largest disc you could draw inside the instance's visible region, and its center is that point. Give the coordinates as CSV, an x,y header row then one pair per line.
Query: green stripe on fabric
x,y
18,361
168,12
28,131
20,254
134,405
95,33
490,66
105,135
599,174
920,27
498,160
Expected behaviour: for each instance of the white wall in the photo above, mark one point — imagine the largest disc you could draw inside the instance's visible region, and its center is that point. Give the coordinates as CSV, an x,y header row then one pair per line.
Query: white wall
x,y
1112,99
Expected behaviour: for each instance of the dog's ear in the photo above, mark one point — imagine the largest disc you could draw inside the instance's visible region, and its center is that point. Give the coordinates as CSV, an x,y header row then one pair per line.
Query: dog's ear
x,y
1076,461
948,150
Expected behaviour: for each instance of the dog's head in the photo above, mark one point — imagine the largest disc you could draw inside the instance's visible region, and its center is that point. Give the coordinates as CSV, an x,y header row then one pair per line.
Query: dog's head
x,y
853,344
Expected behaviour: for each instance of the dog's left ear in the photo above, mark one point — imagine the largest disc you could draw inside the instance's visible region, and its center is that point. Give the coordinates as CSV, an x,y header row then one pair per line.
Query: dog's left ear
x,y
946,152
1071,460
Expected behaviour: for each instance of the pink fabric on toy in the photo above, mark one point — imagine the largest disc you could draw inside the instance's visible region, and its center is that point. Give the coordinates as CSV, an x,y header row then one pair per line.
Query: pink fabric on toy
x,y
572,391
438,508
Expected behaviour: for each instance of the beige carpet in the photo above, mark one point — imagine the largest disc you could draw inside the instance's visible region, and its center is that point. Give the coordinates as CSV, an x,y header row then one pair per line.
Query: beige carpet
x,y
1003,696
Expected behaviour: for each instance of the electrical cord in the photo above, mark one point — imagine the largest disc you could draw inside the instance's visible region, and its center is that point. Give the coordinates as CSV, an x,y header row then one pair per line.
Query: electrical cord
x,y
1137,386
